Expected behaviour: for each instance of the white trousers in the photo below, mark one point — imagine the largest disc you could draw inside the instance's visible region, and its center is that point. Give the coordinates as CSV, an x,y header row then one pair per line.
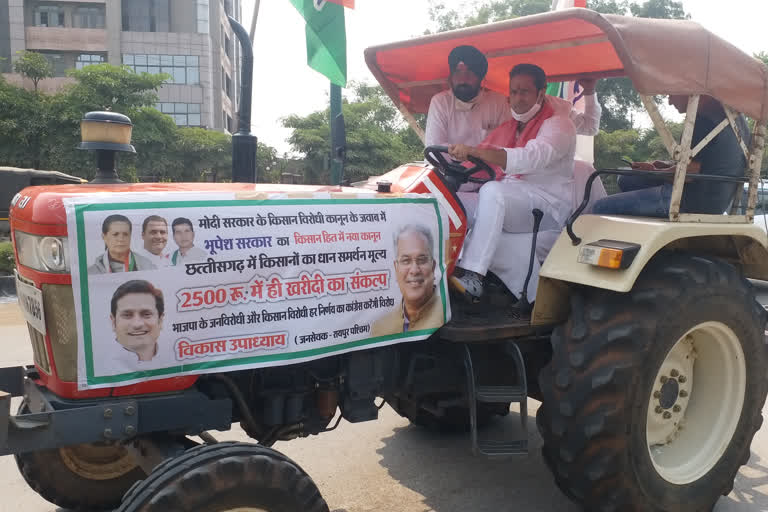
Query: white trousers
x,y
500,205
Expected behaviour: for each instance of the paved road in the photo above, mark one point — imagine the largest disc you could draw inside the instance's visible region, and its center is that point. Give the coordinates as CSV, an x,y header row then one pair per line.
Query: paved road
x,y
390,466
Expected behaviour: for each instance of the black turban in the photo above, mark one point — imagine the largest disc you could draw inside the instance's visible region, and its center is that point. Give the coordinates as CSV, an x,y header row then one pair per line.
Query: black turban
x,y
471,57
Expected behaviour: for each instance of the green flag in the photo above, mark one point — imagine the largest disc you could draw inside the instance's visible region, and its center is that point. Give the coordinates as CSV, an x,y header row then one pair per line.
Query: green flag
x,y
326,38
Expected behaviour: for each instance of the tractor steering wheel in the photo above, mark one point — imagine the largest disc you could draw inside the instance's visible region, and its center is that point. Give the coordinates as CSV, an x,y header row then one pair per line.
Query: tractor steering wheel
x,y
435,155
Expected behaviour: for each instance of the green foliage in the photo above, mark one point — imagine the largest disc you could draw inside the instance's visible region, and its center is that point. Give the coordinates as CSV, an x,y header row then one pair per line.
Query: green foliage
x,y
42,131
267,164
33,65
487,12
377,137
7,263
23,126
115,88
662,9
609,6
762,56
632,144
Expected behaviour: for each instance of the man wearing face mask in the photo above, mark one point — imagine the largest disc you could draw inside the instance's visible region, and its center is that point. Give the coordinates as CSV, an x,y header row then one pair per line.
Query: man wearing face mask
x,y
533,157
466,112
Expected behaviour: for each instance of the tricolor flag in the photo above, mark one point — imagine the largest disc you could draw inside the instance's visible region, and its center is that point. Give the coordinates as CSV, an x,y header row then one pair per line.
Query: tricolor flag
x,y
326,37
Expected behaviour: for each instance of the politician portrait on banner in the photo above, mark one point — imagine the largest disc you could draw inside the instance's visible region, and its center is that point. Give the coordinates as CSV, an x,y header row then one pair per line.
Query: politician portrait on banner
x,y
219,284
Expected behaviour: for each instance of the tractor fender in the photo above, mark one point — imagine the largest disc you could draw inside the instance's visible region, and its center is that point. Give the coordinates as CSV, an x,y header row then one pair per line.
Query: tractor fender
x,y
743,244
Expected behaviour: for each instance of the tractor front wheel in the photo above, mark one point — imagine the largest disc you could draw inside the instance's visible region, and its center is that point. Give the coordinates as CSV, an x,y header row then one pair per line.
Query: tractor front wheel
x,y
86,477
226,477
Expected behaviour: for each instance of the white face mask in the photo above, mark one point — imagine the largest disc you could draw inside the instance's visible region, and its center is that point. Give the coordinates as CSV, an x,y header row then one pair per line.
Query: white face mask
x,y
527,116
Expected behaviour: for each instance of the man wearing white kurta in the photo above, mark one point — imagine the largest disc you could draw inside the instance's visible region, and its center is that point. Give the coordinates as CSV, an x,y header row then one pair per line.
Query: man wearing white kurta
x,y
466,112
535,150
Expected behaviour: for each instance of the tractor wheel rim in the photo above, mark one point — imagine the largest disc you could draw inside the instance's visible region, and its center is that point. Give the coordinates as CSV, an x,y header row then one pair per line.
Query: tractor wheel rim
x,y
696,403
98,461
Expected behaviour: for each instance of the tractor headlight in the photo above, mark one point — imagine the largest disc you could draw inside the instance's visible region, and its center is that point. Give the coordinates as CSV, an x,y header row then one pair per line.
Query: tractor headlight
x,y
42,253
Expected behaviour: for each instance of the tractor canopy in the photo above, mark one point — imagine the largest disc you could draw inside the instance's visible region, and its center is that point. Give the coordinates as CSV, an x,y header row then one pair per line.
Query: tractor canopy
x,y
659,56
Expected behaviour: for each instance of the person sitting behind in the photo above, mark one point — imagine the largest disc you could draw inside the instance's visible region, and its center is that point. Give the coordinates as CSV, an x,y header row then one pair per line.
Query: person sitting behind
x,y
534,152
649,196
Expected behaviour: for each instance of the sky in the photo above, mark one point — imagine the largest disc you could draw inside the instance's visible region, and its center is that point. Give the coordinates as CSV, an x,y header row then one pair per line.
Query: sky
x,y
285,85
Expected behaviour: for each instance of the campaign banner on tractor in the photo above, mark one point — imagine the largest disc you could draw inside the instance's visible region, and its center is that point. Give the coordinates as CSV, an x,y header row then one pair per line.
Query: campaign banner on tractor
x,y
169,284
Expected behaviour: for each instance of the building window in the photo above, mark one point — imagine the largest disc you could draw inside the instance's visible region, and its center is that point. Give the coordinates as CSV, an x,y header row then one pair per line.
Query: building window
x,y
226,43
146,16
202,16
184,69
63,61
86,59
183,114
58,63
89,17
226,83
227,121
48,16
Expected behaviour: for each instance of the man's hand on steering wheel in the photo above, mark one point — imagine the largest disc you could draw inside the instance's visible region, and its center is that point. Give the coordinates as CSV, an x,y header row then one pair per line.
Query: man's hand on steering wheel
x,y
459,152
435,155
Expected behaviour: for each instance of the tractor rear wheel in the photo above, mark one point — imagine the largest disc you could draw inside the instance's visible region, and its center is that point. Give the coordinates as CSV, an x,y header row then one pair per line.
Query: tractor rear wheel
x,y
652,397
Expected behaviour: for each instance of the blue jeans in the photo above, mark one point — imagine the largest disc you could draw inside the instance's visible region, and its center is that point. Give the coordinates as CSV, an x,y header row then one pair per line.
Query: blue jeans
x,y
641,196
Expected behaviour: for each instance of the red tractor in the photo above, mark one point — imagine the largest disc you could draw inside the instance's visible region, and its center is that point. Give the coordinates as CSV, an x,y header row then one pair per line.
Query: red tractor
x,y
645,343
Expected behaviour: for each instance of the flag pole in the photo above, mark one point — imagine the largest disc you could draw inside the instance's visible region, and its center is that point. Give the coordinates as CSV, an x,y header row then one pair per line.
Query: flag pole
x,y
338,136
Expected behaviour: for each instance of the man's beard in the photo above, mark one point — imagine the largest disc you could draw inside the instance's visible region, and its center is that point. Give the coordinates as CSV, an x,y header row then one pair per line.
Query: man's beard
x,y
465,92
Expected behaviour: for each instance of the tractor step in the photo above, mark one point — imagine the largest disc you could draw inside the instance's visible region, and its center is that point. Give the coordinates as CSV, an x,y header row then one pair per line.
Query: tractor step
x,y
491,448
497,394
518,393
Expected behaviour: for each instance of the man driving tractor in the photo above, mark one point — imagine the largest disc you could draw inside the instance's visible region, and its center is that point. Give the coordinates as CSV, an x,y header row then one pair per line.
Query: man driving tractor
x,y
533,154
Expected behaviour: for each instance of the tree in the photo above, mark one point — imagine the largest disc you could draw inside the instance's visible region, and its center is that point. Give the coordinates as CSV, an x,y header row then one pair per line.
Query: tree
x,y
762,56
33,65
23,126
267,165
110,88
663,9
116,88
42,131
377,137
494,10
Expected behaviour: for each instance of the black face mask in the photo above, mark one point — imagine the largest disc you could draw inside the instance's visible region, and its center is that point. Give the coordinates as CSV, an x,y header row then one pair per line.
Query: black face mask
x,y
465,92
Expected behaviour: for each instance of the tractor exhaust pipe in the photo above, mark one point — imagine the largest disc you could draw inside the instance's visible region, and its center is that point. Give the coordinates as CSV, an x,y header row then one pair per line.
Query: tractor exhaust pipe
x,y
244,143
